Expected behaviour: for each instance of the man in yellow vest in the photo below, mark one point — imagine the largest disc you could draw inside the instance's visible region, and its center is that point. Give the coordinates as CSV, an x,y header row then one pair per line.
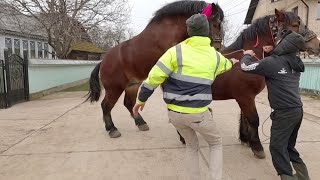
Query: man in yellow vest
x,y
186,72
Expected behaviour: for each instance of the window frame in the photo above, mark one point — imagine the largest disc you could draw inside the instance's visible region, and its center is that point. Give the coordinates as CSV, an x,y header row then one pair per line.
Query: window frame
x,y
25,48
18,47
46,51
33,43
40,50
318,11
9,49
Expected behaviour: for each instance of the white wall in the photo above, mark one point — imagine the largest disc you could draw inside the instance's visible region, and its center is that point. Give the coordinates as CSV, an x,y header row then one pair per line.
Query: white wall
x,y
46,74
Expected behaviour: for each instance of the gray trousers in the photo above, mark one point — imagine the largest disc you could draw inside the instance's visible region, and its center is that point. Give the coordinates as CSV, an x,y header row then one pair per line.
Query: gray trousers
x,y
203,123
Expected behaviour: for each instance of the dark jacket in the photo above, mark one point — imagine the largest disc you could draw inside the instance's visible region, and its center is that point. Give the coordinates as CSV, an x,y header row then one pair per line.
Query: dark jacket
x,y
282,72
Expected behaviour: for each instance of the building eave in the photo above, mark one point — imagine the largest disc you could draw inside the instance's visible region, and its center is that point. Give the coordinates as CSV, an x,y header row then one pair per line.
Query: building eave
x,y
23,35
252,8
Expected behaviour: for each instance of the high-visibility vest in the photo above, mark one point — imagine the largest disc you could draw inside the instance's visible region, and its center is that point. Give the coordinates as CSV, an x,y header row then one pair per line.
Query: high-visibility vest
x,y
186,72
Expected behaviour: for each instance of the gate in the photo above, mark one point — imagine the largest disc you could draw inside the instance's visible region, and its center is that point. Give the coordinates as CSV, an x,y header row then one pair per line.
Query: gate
x,y
15,76
3,94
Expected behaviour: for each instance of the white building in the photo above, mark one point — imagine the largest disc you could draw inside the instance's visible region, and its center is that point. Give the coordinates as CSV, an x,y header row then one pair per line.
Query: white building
x,y
17,38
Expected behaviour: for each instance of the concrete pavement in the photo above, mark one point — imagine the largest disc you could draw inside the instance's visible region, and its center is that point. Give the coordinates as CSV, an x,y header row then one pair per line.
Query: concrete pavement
x,y
58,137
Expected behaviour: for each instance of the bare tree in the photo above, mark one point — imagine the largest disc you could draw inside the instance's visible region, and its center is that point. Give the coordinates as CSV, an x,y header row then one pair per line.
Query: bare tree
x,y
109,38
230,33
67,21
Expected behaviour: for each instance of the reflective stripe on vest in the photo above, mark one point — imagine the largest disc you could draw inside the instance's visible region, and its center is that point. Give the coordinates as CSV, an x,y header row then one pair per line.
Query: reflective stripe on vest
x,y
151,88
179,58
164,68
179,97
218,62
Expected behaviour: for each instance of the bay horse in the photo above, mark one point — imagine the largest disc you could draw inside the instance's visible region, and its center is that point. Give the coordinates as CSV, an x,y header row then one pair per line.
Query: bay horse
x,y
243,87
125,66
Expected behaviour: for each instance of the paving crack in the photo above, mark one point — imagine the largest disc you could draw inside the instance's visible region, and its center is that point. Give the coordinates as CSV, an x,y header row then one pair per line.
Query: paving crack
x,y
42,127
132,149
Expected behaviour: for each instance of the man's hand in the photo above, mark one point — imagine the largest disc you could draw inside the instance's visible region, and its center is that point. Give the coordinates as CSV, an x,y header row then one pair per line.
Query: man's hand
x,y
267,49
250,52
234,61
135,109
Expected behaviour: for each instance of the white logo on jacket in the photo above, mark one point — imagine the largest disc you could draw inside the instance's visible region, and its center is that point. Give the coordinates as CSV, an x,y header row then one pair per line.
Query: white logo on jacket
x,y
283,71
250,67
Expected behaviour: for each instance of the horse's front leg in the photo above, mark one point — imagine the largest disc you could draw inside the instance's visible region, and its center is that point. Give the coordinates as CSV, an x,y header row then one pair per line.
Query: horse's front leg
x,y
250,125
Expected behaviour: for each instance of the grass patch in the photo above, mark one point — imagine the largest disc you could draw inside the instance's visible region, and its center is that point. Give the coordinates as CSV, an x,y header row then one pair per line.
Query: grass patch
x,y
81,87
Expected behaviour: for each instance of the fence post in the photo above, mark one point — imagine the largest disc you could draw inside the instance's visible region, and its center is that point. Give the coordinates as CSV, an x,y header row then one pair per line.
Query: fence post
x,y
26,75
8,84
4,103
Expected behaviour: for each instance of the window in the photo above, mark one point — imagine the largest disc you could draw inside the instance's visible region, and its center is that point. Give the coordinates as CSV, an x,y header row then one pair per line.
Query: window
x,y
16,44
32,49
46,49
295,10
25,46
318,10
8,45
39,49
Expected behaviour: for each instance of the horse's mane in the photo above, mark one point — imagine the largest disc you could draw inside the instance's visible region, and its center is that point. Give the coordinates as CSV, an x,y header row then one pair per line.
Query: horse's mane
x,y
181,8
259,26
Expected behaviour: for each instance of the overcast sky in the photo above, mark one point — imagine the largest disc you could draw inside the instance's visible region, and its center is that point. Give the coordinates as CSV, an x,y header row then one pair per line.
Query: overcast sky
x,y
142,11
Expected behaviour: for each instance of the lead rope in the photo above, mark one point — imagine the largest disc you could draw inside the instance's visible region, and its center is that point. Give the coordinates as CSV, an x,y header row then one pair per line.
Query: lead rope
x,y
268,137
242,51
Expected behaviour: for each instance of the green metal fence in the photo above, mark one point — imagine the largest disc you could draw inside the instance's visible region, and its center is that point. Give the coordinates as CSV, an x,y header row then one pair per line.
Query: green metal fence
x,y
310,79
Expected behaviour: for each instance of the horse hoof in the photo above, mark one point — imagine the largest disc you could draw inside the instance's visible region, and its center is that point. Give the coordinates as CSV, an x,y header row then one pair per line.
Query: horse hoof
x,y
143,127
114,134
259,154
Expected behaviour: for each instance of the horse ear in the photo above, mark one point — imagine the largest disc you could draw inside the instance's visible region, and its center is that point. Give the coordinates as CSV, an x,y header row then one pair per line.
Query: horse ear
x,y
280,15
214,9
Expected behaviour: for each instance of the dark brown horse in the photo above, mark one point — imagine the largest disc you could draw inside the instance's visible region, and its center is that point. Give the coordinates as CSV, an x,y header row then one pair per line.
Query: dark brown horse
x,y
243,87
127,65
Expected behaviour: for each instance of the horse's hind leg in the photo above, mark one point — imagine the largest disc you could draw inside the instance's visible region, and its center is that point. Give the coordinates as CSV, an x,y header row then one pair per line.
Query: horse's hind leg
x,y
110,99
129,101
243,130
250,113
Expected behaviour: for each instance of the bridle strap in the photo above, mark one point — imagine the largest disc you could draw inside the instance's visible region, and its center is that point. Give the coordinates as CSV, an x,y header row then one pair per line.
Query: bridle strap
x,y
274,27
257,41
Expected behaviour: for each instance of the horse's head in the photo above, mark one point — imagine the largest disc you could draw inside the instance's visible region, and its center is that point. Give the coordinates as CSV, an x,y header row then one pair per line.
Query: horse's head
x,y
215,17
291,21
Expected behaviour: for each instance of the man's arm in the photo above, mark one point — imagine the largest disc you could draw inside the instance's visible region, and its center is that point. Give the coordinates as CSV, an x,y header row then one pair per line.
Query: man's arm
x,y
158,74
257,67
224,64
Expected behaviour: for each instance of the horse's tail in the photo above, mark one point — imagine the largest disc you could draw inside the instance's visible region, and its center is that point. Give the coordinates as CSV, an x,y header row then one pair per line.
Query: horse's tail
x,y
95,89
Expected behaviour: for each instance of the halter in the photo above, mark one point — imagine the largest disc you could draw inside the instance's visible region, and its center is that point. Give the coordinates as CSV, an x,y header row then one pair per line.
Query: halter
x,y
274,28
